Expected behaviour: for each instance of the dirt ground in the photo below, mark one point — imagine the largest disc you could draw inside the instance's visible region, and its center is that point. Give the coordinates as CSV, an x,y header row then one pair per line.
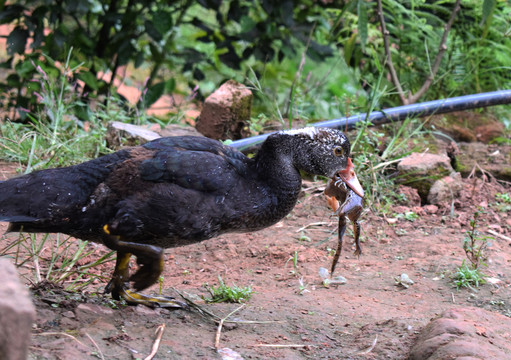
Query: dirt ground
x,y
291,315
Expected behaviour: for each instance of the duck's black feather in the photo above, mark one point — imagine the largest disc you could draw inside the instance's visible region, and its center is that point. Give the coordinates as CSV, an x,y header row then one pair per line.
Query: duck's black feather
x,y
172,191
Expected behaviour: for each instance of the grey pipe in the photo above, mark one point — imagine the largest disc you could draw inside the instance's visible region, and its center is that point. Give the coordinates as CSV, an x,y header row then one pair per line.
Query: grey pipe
x,y
428,108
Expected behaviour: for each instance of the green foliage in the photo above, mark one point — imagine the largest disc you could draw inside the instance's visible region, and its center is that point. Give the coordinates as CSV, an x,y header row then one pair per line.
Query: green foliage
x,y
503,203
409,216
475,47
55,259
224,293
475,243
186,37
294,260
55,136
503,197
468,276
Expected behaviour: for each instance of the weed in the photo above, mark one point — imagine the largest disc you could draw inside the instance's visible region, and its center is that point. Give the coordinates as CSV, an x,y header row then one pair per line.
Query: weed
x,y
503,203
293,258
55,260
224,293
302,288
304,237
503,197
409,216
475,244
468,276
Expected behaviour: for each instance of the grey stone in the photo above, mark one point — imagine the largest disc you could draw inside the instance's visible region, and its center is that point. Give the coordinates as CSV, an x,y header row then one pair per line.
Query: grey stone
x,y
17,313
128,134
478,157
421,170
445,189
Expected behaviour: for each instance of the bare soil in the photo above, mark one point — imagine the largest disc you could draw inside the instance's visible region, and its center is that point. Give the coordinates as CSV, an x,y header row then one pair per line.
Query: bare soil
x,y
293,315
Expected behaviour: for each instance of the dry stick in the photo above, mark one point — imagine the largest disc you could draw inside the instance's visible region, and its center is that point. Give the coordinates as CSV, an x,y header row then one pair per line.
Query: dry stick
x,y
216,319
436,65
319,223
284,345
96,346
369,349
388,56
221,323
61,334
156,345
503,237
441,50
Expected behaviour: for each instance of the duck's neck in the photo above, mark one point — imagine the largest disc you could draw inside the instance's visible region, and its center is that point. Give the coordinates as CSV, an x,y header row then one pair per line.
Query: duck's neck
x,y
276,168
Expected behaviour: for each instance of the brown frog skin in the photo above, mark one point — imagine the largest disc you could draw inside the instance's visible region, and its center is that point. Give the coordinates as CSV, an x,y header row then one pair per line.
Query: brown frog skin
x,y
346,203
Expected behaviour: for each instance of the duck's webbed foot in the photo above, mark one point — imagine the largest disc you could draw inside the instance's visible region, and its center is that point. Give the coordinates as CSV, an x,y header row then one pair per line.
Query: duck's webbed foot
x,y
150,261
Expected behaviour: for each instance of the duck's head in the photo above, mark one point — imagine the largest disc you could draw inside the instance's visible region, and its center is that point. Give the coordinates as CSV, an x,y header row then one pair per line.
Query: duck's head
x,y
318,151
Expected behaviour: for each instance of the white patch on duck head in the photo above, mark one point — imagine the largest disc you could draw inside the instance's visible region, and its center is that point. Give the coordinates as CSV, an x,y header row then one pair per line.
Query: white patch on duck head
x,y
325,135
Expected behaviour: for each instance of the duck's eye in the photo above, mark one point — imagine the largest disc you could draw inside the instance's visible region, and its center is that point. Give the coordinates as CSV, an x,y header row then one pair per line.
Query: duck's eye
x,y
338,151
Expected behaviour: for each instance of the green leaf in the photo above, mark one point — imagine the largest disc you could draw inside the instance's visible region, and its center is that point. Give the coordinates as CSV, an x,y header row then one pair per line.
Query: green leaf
x,y
24,68
152,30
17,41
349,47
362,22
89,79
156,54
488,7
162,21
170,86
153,94
13,80
10,13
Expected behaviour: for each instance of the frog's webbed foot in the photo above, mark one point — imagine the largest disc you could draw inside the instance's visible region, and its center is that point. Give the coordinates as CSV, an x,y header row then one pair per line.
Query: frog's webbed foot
x,y
341,230
356,235
150,261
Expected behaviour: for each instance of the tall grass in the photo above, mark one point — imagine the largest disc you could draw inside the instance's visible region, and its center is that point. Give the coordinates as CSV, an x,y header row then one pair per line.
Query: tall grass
x,y
57,137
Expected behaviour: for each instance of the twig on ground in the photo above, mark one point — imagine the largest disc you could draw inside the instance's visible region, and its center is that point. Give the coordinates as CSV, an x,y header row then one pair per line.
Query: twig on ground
x,y
216,319
284,345
159,333
61,334
100,353
319,223
205,313
369,349
221,323
503,237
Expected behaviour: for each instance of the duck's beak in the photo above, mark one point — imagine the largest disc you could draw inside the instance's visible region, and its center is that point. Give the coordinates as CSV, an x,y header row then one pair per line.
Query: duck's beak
x,y
350,178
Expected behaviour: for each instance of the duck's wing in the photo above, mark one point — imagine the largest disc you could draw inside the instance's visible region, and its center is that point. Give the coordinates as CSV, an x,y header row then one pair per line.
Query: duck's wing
x,y
195,163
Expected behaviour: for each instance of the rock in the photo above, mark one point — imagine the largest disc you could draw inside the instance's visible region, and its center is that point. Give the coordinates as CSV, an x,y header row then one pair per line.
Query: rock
x,y
408,196
445,189
129,135
469,126
493,159
225,112
420,171
17,313
87,312
431,209
133,134
177,130
464,333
